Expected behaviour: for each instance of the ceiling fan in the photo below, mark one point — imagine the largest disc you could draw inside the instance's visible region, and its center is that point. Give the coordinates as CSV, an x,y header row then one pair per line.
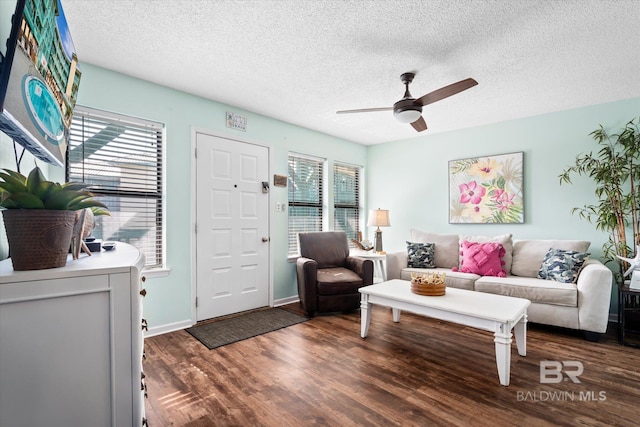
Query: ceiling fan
x,y
409,109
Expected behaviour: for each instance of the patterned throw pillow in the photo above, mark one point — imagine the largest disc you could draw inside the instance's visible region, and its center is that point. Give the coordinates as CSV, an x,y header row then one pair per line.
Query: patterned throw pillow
x,y
421,255
485,259
562,266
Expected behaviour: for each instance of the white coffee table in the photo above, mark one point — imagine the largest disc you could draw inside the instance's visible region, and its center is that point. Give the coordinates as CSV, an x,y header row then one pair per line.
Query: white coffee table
x,y
496,313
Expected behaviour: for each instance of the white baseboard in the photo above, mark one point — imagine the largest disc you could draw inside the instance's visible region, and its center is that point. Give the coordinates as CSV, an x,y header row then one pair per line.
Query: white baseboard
x,y
177,326
285,301
170,327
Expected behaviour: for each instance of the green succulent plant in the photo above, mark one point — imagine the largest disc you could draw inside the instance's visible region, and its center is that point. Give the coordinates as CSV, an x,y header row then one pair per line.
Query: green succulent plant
x,y
35,192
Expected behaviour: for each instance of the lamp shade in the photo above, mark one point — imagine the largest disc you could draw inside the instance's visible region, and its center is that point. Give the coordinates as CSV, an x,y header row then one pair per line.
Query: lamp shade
x,y
378,218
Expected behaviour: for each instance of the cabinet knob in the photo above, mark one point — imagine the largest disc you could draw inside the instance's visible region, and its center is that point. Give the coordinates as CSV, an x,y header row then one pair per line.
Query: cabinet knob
x,y
143,292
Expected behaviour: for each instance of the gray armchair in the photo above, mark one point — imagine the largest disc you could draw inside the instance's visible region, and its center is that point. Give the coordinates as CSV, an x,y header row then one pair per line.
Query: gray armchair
x,y
328,278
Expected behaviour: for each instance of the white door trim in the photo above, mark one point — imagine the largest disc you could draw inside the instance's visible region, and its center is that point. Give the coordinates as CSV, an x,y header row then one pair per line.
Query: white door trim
x,y
192,157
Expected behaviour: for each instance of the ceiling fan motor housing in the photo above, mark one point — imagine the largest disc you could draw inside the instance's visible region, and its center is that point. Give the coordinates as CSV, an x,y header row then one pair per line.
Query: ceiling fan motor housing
x,y
406,110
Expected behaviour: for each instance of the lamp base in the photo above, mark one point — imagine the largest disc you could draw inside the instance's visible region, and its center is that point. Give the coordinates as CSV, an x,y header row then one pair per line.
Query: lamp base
x,y
378,240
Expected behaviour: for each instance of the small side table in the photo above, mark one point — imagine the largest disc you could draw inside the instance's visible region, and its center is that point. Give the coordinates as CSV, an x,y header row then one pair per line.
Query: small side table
x,y
624,292
379,270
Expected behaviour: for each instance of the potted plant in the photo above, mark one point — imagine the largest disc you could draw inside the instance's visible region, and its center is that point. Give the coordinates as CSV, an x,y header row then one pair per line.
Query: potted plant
x,y
39,216
615,169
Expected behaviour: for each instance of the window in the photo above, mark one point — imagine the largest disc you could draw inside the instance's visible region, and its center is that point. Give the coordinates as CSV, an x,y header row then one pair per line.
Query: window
x,y
305,189
120,160
346,199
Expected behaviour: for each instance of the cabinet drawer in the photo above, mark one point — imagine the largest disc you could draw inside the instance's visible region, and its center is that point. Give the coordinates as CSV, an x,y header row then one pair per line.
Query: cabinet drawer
x,y
42,289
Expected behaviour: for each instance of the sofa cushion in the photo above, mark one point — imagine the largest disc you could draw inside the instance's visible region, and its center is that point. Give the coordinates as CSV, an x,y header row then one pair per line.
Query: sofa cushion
x,y
504,239
453,279
485,259
529,254
562,266
420,255
447,247
535,290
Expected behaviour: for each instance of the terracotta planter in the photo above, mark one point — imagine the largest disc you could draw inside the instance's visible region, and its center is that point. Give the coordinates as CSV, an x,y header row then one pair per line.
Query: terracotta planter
x,y
38,238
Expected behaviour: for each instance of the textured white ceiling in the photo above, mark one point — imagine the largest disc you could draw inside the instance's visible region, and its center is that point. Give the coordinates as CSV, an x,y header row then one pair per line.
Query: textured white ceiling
x,y
300,61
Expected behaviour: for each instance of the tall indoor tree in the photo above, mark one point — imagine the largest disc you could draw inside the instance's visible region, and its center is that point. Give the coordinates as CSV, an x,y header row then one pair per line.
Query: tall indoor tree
x,y
615,169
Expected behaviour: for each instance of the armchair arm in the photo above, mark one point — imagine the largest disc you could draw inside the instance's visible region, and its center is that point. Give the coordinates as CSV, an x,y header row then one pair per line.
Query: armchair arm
x,y
396,261
307,272
362,267
594,296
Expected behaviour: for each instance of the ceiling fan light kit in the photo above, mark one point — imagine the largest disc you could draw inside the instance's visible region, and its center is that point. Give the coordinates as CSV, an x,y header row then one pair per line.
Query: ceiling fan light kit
x,y
409,109
406,111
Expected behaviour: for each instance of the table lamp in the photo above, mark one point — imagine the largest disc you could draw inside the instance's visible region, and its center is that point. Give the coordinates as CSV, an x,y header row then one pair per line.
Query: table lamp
x,y
378,218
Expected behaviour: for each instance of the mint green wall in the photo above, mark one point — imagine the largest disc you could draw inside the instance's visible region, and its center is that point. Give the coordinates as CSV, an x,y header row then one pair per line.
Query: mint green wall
x,y
169,298
410,178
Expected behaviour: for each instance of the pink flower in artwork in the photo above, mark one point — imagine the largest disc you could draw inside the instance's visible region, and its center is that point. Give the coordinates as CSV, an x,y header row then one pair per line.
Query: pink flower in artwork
x,y
503,200
471,192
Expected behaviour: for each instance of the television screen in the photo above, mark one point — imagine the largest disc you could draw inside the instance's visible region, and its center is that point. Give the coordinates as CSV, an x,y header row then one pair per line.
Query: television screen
x,y
39,79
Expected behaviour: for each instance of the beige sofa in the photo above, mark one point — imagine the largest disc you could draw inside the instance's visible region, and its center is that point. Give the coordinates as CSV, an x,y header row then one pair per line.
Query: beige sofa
x,y
582,305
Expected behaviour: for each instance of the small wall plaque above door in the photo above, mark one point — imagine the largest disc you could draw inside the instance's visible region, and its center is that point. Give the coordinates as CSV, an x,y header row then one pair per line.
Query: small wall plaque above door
x,y
236,121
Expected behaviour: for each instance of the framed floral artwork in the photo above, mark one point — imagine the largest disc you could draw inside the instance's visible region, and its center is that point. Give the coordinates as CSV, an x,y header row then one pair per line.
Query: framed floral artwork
x,y
486,190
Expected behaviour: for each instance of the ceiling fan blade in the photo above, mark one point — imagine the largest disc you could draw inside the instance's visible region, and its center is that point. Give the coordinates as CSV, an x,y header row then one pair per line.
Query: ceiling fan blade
x,y
419,124
365,110
446,91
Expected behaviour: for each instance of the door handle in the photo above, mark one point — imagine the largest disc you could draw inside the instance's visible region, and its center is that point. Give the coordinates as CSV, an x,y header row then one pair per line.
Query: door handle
x,y
265,239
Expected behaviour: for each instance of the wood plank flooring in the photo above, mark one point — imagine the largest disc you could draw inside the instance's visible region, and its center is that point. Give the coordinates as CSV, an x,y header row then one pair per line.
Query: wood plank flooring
x,y
419,372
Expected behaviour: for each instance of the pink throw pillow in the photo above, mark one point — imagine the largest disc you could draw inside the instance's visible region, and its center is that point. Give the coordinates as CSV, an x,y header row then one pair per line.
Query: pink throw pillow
x,y
485,259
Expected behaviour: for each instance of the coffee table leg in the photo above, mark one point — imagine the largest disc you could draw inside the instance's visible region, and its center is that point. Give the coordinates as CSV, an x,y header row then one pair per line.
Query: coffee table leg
x,y
395,312
503,352
520,332
365,315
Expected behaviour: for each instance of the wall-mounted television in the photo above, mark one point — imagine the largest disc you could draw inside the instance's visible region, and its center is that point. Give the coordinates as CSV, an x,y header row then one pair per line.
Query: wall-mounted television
x,y
39,77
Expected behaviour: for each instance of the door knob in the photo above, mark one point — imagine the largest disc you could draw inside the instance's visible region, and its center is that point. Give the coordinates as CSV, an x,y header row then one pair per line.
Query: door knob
x,y
265,239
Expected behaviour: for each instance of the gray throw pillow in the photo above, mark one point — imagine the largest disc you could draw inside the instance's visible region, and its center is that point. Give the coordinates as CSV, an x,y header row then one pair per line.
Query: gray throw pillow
x,y
421,255
562,266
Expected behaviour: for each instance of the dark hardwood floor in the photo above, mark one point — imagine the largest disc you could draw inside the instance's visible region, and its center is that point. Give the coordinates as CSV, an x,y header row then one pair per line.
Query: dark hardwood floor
x,y
419,372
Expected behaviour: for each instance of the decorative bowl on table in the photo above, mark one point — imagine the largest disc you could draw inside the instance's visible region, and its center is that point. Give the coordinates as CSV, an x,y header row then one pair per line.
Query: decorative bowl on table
x,y
429,284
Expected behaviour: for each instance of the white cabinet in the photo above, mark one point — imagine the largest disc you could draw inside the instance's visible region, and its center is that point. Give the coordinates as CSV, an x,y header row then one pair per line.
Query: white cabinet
x,y
71,342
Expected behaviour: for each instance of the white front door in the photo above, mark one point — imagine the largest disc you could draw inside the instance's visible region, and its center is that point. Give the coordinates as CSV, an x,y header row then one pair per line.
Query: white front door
x,y
232,226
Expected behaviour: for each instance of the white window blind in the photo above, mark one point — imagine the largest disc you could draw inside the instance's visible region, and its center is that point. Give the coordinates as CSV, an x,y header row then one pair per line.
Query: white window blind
x,y
305,197
346,199
120,160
